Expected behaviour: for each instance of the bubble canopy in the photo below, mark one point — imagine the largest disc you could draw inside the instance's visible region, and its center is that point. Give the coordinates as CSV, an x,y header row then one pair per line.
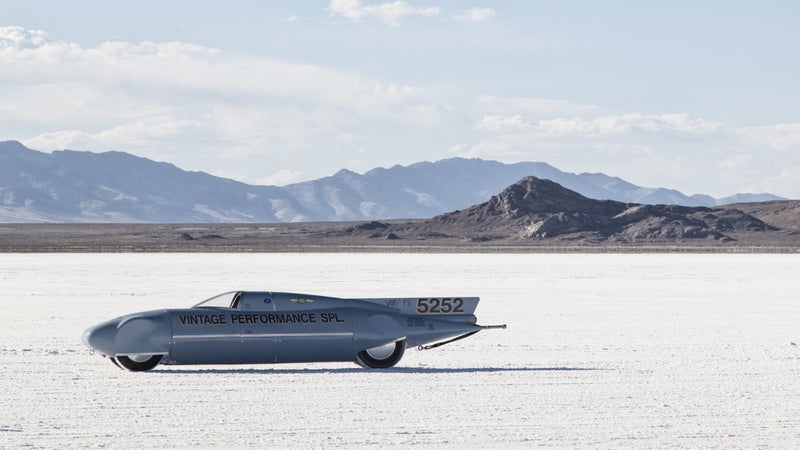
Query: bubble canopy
x,y
224,300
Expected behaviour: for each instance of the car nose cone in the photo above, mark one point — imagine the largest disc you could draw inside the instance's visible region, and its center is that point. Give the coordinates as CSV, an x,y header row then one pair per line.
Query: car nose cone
x,y
101,337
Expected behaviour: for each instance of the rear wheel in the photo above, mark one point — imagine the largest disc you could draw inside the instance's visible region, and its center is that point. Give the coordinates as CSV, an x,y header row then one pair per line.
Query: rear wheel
x,y
139,363
381,357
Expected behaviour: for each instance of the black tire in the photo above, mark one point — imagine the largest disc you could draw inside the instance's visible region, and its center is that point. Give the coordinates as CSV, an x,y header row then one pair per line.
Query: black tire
x,y
139,366
371,361
114,361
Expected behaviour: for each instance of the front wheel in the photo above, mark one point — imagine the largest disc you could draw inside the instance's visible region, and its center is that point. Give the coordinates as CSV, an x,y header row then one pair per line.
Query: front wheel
x,y
139,363
381,357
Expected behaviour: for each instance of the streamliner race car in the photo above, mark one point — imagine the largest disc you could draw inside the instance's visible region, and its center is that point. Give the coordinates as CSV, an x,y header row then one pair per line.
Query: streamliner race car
x,y
279,327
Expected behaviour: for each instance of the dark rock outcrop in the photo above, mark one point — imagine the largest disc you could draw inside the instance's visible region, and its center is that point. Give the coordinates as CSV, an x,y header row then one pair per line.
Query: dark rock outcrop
x,y
540,209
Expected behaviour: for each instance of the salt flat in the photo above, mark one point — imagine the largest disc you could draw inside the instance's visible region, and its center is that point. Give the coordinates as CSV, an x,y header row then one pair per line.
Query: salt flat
x,y
602,350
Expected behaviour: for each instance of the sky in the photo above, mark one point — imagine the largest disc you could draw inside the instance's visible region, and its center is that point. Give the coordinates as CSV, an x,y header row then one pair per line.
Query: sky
x,y
702,97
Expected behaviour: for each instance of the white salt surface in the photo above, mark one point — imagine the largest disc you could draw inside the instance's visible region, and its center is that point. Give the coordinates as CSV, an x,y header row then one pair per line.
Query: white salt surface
x,y
601,351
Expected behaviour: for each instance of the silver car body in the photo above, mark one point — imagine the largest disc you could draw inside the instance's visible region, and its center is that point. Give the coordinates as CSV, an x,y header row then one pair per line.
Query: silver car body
x,y
278,327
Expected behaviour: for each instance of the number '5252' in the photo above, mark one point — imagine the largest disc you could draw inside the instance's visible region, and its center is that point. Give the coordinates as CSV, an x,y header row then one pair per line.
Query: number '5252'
x,y
440,306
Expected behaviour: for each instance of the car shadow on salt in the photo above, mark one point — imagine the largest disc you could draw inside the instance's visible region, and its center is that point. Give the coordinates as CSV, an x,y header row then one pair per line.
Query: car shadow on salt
x,y
394,370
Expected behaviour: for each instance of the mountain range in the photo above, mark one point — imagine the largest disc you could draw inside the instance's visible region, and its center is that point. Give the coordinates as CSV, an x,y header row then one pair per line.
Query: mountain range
x,y
117,187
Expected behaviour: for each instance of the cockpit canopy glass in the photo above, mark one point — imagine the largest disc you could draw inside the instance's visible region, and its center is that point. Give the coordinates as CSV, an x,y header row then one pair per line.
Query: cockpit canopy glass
x,y
226,300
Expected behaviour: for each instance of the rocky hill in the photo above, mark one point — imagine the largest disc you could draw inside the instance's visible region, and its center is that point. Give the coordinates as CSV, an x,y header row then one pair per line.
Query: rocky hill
x,y
536,210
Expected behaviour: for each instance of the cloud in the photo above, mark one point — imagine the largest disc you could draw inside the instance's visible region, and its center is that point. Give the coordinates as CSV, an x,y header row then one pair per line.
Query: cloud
x,y
348,138
390,13
129,135
148,72
626,124
600,127
204,109
677,150
496,123
536,107
475,15
782,137
735,161
139,77
281,178
13,37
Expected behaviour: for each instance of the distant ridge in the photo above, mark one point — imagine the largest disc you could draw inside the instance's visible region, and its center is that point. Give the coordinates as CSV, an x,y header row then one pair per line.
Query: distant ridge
x,y
71,186
116,187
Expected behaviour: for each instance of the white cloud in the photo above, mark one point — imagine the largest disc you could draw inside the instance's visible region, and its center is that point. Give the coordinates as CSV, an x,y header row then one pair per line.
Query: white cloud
x,y
138,134
203,109
535,107
495,123
735,161
281,178
348,138
629,123
677,150
13,37
64,139
600,127
390,13
397,92
148,73
673,150
475,15
783,181
783,137
143,78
